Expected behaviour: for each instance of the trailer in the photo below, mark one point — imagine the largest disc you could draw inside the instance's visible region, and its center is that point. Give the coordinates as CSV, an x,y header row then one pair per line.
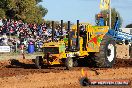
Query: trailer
x,y
120,36
126,30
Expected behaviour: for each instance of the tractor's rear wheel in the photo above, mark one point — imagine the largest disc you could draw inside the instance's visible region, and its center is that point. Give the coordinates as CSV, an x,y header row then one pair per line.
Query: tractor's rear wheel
x,y
69,63
107,53
38,62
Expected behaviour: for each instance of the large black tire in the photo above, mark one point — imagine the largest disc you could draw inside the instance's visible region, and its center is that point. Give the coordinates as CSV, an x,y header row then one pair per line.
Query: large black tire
x,y
126,42
38,62
119,42
69,63
107,53
130,51
75,63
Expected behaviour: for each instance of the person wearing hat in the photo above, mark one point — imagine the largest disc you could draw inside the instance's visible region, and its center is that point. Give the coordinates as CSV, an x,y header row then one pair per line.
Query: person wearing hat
x,y
83,34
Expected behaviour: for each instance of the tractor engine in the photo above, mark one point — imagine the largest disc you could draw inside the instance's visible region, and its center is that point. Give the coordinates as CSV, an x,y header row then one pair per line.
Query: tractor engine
x,y
52,51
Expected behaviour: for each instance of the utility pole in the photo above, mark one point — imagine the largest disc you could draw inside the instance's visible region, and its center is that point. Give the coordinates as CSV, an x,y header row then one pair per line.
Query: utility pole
x,y
109,14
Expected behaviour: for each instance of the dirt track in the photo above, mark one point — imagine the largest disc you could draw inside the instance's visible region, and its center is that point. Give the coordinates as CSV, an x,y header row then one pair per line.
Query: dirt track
x,y
24,75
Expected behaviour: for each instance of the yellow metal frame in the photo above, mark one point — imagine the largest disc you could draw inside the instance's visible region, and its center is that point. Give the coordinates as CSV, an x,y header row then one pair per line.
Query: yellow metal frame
x,y
95,33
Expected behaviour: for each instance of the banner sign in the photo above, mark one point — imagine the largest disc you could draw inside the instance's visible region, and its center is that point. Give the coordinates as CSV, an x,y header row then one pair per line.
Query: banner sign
x,y
5,49
104,4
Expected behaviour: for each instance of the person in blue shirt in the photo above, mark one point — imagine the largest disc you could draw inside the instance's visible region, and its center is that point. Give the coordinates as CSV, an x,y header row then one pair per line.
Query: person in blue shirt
x,y
117,24
100,21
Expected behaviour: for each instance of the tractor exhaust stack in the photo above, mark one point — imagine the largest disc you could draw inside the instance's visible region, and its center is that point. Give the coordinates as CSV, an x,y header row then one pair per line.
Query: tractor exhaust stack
x,y
53,31
61,27
69,40
77,40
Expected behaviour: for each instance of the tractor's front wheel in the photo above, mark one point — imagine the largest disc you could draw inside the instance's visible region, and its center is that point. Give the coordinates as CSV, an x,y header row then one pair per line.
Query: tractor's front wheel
x,y
38,62
69,63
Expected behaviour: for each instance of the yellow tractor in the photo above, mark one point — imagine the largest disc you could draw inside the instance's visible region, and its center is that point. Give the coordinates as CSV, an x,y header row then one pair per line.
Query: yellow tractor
x,y
83,40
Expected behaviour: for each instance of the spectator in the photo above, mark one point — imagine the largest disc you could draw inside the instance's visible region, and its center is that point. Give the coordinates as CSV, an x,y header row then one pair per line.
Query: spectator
x,y
26,32
1,23
5,41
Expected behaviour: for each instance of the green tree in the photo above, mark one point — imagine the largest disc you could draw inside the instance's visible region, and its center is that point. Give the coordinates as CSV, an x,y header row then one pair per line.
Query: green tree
x,y
26,10
114,13
2,13
38,1
57,24
49,23
129,26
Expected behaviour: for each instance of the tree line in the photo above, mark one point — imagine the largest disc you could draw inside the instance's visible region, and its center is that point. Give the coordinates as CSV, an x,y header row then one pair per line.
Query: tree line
x,y
31,12
26,10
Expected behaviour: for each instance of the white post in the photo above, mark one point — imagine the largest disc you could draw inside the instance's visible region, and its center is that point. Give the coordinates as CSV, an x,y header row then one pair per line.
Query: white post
x,y
106,23
109,14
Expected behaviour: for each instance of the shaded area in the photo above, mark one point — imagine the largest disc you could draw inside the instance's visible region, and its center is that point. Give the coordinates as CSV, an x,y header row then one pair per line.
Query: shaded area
x,y
14,68
123,63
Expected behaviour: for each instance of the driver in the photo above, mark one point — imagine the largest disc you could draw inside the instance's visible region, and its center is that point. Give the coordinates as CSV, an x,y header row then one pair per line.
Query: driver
x,y
83,34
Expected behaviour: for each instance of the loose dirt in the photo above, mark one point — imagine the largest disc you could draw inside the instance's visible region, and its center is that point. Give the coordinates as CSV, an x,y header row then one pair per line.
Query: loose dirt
x,y
23,74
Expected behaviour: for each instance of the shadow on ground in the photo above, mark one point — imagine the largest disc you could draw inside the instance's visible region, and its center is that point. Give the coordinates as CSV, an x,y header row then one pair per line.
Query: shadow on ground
x,y
81,63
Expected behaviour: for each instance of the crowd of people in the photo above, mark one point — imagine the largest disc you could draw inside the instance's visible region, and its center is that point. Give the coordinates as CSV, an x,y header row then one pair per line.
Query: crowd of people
x,y
16,33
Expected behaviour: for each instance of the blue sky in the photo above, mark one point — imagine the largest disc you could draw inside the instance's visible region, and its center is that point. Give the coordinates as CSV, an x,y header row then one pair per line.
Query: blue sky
x,y
84,10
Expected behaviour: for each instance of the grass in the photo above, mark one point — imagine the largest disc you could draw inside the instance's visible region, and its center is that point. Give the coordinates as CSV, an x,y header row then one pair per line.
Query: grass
x,y
17,53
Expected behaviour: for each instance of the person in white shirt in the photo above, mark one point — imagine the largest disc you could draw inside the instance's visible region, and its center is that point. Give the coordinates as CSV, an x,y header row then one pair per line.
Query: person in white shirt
x,y
5,41
1,23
